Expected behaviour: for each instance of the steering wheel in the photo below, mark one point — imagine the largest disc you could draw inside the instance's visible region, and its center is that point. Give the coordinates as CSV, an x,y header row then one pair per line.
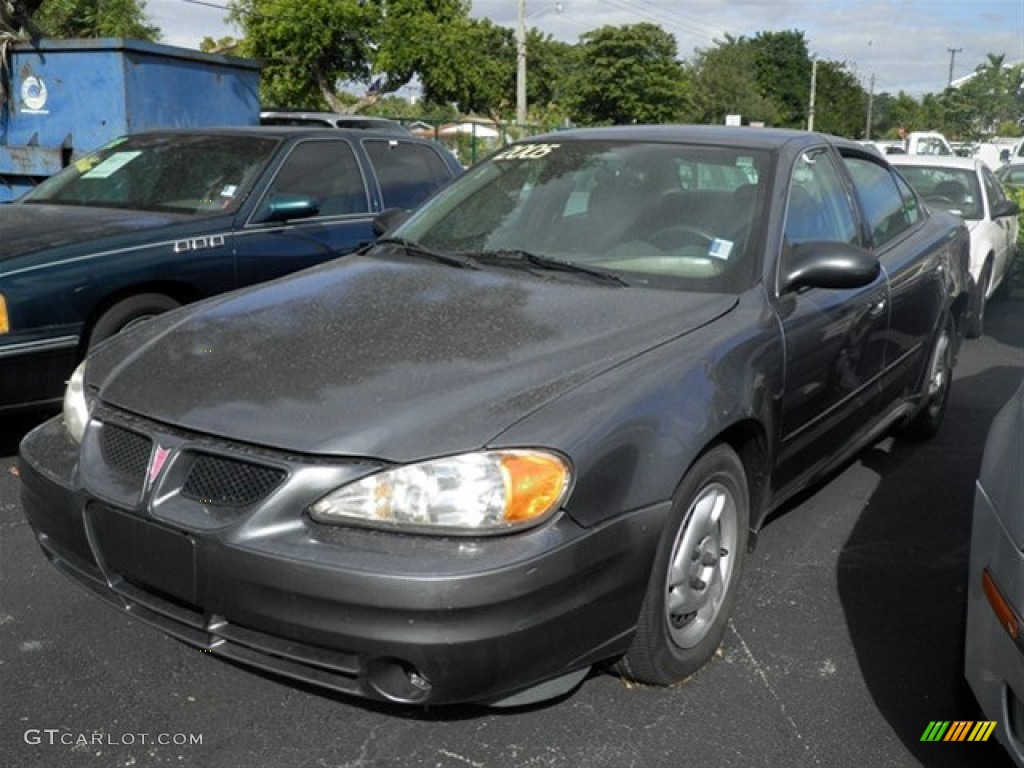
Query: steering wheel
x,y
680,235
940,200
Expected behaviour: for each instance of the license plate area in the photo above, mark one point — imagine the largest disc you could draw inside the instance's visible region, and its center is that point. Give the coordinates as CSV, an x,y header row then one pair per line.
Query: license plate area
x,y
148,554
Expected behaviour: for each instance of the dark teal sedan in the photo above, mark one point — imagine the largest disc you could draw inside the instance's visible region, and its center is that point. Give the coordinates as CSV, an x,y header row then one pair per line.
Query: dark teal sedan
x,y
156,220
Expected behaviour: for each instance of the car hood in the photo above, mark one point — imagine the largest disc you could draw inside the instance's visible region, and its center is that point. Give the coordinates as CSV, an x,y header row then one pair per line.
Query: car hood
x,y
28,228
397,360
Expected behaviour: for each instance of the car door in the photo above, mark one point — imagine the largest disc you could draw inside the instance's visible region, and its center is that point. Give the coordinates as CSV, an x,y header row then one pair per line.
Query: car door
x,y
327,172
914,265
834,339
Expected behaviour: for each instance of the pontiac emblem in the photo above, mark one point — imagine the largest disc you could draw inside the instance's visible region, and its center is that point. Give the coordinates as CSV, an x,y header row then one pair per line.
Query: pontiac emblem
x,y
156,463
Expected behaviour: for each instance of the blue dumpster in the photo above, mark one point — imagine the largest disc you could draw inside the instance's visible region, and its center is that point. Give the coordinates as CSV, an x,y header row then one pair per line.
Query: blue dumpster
x,y
68,97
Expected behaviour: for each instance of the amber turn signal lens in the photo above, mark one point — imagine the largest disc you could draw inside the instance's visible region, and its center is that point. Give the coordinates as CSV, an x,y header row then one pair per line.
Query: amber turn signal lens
x,y
534,484
1002,609
5,323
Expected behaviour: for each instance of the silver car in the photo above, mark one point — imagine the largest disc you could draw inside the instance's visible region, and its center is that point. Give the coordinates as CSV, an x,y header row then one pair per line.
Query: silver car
x,y
994,650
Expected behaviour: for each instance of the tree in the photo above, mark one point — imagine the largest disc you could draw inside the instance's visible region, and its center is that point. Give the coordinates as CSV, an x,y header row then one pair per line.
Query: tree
x,y
840,101
724,87
226,45
782,69
95,18
995,94
15,18
472,66
312,48
551,65
895,112
629,74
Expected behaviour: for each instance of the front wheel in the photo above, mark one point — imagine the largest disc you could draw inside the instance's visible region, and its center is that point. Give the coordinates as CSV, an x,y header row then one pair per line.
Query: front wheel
x,y
940,381
696,573
128,312
976,327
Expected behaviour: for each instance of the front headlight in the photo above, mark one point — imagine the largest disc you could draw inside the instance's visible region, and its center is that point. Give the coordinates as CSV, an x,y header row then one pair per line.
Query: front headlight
x,y
76,407
474,493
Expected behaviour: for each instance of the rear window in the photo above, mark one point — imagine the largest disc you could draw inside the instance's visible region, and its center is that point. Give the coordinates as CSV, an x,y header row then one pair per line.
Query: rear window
x,y
952,189
408,172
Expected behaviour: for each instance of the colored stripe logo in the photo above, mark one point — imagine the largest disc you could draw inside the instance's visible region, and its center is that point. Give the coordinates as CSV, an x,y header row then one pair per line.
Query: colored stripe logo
x,y
958,730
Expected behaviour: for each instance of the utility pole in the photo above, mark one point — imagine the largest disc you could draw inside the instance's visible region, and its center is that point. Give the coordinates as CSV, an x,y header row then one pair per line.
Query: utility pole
x,y
521,65
952,57
871,100
814,88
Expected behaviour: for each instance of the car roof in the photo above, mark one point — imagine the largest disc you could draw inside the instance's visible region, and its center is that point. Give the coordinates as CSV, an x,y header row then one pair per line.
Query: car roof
x,y
304,113
937,161
281,132
737,136
331,118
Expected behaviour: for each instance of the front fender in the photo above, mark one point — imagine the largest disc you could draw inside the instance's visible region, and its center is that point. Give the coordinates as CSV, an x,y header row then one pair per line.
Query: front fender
x,y
633,431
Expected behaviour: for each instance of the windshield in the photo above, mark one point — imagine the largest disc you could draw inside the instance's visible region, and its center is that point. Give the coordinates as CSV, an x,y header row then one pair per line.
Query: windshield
x,y
659,214
952,189
180,173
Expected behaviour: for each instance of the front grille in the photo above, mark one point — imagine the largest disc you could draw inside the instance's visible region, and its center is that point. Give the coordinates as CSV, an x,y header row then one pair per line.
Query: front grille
x,y
125,451
229,482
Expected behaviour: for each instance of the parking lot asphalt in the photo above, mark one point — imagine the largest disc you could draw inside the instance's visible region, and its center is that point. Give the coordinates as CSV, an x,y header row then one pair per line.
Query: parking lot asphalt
x,y
842,648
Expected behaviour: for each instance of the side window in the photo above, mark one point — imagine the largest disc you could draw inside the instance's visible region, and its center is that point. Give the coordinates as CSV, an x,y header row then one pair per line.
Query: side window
x,y
884,207
819,208
909,201
406,171
993,189
326,171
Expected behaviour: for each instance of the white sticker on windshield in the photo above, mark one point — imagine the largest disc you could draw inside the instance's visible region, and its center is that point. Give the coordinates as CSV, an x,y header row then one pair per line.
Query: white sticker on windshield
x,y
720,249
111,165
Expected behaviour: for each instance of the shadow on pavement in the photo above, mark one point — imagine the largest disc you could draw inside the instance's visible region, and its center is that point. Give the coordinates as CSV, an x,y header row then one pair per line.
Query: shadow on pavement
x,y
1012,332
902,572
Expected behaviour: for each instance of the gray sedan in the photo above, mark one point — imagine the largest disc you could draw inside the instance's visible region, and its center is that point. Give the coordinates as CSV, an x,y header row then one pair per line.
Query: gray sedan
x,y
535,429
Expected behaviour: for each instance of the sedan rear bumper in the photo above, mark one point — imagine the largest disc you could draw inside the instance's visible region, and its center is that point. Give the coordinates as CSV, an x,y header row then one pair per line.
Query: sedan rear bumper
x,y
376,614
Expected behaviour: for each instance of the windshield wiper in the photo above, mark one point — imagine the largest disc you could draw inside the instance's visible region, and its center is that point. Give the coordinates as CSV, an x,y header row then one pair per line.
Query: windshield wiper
x,y
526,258
415,249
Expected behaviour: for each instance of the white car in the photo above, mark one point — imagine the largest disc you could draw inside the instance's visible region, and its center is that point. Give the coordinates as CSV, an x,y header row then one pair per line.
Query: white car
x,y
968,187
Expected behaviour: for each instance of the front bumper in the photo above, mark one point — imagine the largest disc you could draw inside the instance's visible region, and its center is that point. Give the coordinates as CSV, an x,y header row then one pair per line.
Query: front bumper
x,y
382,615
993,661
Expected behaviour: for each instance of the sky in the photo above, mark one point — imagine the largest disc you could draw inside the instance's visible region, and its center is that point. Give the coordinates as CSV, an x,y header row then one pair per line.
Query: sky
x,y
903,44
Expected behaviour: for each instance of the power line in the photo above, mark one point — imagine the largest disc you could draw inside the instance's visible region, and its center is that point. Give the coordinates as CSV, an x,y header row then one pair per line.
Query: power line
x,y
659,17
207,4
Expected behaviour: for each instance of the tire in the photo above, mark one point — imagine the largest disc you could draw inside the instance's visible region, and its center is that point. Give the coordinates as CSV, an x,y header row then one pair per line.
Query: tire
x,y
1004,288
976,327
926,423
127,312
696,573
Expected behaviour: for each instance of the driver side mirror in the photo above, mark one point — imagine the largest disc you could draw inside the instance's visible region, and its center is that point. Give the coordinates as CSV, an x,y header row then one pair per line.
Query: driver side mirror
x,y
288,207
828,265
1005,208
